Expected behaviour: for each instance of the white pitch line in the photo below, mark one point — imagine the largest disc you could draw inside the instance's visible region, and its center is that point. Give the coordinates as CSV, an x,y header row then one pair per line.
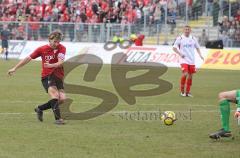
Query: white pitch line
x,y
84,102
18,113
122,112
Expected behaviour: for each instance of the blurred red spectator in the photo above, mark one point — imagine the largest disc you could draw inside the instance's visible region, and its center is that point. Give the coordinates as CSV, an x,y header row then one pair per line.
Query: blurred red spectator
x,y
146,2
61,6
33,28
131,14
19,32
138,40
237,17
104,6
89,12
64,17
5,17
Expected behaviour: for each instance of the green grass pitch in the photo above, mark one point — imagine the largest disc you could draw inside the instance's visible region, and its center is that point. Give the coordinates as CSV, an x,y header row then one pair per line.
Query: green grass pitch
x,y
119,133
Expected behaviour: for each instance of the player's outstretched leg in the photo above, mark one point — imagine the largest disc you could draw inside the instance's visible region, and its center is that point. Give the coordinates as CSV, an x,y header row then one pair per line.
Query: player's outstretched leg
x,y
39,114
39,110
225,113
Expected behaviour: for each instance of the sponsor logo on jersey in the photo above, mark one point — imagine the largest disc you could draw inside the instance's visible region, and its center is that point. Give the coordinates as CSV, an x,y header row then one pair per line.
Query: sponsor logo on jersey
x,y
49,57
187,45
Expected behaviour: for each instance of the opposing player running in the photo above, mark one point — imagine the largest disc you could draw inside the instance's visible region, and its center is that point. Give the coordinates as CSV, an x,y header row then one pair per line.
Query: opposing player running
x,y
52,55
185,46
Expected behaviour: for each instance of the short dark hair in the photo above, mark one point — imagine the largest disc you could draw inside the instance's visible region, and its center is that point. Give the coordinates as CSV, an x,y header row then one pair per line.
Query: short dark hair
x,y
57,35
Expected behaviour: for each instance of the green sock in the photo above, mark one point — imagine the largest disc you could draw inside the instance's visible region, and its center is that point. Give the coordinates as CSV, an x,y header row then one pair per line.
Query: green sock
x,y
225,113
238,98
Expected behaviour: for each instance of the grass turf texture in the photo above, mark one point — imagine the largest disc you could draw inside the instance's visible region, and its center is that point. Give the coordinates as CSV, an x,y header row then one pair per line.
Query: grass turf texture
x,y
115,134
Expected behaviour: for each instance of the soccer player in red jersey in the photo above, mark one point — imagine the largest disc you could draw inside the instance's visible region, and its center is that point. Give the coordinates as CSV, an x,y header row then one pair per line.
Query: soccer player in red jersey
x,y
52,55
138,40
185,46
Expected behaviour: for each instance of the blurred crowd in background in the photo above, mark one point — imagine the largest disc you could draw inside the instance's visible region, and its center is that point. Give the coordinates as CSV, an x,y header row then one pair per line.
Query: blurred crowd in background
x,y
134,12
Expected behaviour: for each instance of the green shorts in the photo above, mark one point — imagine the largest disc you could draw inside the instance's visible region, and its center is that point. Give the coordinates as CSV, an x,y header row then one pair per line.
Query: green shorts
x,y
238,98
238,94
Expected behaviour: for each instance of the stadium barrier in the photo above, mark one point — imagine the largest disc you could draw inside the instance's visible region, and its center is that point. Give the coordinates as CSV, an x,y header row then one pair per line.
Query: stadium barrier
x,y
15,48
228,58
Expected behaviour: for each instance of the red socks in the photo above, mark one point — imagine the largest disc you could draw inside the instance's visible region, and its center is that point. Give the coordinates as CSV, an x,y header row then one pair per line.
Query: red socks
x,y
189,83
183,80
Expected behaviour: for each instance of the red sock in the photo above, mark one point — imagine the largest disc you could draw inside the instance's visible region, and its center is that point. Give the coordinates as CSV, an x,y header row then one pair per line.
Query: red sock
x,y
189,83
182,86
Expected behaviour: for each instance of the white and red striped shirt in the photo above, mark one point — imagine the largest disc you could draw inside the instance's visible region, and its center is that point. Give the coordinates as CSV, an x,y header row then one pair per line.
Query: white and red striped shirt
x,y
186,46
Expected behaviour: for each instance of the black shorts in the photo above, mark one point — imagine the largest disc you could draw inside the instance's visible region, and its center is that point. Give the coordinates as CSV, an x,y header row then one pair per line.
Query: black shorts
x,y
4,44
52,80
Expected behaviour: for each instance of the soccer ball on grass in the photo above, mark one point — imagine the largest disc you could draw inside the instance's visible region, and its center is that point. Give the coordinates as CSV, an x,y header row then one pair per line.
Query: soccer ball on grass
x,y
168,117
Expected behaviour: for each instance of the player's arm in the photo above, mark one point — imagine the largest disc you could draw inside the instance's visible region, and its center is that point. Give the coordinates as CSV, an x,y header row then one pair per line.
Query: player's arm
x,y
61,57
199,53
20,64
178,52
26,60
197,46
54,65
176,45
237,113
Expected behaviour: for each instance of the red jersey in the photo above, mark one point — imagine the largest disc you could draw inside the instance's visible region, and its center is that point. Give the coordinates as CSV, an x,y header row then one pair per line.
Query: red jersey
x,y
50,55
139,40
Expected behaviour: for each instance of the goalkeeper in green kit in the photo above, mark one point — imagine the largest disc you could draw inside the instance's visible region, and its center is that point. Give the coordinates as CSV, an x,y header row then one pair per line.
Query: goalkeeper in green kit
x,y
224,104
